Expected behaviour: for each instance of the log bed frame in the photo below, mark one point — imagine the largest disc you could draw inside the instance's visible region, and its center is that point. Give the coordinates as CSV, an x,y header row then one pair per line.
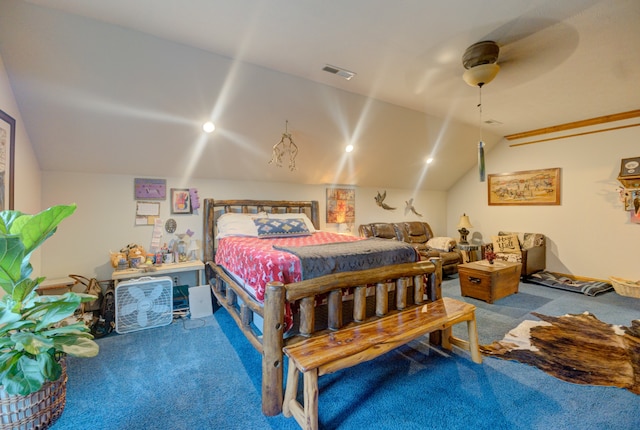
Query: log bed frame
x,y
374,293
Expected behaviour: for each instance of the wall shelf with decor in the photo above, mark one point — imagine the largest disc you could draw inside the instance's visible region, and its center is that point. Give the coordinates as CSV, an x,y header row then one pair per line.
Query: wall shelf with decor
x,y
629,177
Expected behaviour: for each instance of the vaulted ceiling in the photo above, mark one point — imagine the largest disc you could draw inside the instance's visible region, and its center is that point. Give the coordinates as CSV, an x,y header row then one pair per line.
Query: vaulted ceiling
x,y
122,86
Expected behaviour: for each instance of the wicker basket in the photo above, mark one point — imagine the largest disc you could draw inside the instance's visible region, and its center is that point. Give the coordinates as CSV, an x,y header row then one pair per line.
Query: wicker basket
x,y
624,287
37,410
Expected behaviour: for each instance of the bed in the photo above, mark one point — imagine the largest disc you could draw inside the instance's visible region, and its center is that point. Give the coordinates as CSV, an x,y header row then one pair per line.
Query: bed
x,y
287,307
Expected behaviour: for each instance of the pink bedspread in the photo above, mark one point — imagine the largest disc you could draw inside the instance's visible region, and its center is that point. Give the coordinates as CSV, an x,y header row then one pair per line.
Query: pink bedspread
x,y
256,262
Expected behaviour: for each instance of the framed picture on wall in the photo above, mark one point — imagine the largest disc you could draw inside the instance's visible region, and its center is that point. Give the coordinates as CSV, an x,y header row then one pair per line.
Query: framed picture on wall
x,y
7,159
180,201
341,205
630,167
531,187
150,189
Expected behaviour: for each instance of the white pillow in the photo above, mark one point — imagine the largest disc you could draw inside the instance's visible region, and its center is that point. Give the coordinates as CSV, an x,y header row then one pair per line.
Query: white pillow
x,y
304,216
237,224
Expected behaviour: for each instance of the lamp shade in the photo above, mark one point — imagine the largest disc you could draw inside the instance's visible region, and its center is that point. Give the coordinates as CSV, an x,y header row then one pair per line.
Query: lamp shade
x,y
464,222
480,75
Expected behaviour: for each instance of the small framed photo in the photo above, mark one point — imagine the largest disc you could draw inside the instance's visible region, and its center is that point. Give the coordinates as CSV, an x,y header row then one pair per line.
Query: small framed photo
x,y
150,189
180,201
630,167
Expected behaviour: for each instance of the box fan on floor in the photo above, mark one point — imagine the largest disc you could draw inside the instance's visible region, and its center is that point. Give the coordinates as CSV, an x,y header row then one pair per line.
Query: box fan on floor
x,y
143,303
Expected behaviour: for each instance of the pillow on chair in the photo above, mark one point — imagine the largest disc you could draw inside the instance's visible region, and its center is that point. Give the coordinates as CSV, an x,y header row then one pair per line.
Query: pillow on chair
x,y
508,244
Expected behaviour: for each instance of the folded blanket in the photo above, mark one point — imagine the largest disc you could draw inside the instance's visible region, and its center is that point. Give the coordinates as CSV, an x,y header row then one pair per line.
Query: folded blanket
x,y
324,259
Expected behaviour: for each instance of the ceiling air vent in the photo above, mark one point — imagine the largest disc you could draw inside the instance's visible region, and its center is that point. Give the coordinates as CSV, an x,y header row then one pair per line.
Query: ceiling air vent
x,y
338,71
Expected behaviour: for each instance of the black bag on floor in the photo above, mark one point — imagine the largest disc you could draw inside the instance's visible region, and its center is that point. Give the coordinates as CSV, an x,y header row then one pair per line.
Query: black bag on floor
x,y
106,320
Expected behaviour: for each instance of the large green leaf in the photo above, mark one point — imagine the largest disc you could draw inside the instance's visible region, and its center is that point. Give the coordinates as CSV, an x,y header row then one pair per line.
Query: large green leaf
x,y
78,328
76,346
37,228
31,343
12,255
49,310
24,377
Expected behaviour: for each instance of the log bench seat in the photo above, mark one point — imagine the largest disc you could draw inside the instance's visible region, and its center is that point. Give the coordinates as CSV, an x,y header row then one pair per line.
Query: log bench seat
x,y
347,347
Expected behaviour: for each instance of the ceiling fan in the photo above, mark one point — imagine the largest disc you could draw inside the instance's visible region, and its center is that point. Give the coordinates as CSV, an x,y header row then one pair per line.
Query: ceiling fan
x,y
528,47
481,63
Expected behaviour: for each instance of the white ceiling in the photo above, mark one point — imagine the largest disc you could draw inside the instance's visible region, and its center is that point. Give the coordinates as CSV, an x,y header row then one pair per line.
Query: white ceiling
x,y
561,61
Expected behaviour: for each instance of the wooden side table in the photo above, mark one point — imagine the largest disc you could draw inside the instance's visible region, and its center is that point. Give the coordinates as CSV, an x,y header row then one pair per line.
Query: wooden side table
x,y
489,282
169,269
469,252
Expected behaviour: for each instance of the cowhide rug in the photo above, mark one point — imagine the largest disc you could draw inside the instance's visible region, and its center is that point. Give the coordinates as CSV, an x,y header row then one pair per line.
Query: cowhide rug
x,y
576,348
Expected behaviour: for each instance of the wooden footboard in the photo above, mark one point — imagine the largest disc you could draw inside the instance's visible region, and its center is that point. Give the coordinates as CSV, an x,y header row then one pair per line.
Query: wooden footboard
x,y
350,298
327,303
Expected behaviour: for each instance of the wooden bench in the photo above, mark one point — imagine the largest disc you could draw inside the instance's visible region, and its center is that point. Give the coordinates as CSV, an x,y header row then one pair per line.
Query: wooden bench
x,y
347,347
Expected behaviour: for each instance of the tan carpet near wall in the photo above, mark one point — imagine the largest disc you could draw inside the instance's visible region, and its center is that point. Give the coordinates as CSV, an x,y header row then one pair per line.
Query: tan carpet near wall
x,y
576,348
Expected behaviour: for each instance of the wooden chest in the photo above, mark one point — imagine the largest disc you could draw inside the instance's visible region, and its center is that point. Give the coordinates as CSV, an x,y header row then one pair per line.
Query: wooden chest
x,y
489,282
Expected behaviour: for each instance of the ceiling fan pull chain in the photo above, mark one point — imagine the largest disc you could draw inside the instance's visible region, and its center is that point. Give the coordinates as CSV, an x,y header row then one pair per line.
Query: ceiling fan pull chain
x,y
481,170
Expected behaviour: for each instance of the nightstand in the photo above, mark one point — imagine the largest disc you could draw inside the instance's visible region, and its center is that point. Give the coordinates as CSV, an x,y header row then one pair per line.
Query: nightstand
x,y
469,252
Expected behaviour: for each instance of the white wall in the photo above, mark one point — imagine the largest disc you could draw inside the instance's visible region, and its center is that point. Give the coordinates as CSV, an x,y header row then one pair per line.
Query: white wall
x,y
27,171
104,220
589,233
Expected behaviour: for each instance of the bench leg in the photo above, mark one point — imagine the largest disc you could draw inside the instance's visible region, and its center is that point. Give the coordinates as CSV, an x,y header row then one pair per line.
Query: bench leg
x,y
291,389
306,415
474,346
446,338
311,399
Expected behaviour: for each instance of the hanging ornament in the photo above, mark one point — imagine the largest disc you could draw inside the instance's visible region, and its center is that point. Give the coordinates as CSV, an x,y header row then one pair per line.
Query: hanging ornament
x,y
481,160
481,171
283,148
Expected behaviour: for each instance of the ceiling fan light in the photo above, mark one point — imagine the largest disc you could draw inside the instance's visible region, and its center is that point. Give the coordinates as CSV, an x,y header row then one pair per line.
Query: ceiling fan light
x,y
480,75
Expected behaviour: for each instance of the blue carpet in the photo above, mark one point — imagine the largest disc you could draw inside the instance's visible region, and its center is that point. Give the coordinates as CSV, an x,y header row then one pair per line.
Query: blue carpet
x,y
203,374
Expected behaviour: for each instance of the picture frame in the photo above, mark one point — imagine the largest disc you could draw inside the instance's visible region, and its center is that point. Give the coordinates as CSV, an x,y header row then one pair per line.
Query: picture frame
x,y
530,187
180,201
630,167
7,160
341,205
150,189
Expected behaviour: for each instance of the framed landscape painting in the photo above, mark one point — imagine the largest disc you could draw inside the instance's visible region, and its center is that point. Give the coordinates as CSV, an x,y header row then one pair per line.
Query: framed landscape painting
x,y
531,187
7,157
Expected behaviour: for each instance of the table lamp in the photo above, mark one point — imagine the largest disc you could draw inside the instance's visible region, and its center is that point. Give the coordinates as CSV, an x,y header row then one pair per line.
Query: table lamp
x,y
463,228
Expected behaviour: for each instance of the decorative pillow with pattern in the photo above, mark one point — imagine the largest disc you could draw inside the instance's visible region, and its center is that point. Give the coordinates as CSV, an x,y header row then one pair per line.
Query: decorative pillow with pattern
x,y
270,227
303,216
508,244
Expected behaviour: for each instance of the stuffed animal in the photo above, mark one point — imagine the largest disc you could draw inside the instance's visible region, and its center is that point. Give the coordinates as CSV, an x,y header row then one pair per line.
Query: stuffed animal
x,y
116,257
135,254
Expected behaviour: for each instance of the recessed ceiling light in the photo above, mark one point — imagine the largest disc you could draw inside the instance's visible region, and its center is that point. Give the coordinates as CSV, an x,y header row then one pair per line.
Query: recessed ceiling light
x,y
208,127
429,160
349,148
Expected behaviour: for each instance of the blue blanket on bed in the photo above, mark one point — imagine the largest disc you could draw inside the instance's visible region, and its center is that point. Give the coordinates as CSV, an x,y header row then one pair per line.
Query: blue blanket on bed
x,y
327,258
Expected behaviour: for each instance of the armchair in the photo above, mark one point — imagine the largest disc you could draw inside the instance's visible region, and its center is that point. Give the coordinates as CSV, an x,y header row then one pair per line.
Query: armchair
x,y
532,251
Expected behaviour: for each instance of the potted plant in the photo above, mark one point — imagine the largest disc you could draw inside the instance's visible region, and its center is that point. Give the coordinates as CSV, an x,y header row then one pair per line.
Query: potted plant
x,y
34,339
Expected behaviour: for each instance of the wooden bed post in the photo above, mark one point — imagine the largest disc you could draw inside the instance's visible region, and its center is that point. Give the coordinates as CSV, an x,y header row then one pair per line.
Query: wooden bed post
x,y
435,293
272,366
208,224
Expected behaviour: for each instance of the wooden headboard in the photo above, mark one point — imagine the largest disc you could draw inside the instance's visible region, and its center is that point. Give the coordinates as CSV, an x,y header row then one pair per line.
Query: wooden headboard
x,y
214,208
